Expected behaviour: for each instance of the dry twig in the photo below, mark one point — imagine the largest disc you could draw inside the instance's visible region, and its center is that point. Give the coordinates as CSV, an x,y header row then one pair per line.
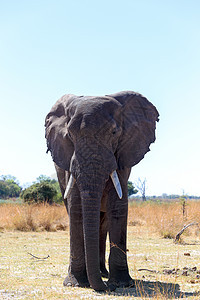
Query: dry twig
x,y
115,245
38,257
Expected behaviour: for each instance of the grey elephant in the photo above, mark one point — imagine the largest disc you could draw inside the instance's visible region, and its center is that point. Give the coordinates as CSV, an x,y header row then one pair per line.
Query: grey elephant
x,y
94,142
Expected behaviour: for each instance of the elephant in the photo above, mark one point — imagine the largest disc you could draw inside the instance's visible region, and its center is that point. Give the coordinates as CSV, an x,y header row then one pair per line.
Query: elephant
x,y
94,142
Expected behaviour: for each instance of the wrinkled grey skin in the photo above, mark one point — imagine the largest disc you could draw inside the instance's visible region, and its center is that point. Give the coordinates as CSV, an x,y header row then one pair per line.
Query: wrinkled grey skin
x,y
90,137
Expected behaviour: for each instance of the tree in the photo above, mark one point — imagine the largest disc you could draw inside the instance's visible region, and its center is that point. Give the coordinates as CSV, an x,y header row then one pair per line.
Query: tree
x,y
39,192
141,186
3,189
131,189
43,178
44,189
9,187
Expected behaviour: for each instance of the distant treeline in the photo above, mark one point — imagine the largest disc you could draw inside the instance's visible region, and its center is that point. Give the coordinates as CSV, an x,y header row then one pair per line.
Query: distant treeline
x,y
164,197
45,189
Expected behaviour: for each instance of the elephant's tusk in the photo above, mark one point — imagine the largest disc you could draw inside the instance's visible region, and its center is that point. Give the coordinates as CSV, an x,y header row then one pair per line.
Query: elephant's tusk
x,y
69,186
117,185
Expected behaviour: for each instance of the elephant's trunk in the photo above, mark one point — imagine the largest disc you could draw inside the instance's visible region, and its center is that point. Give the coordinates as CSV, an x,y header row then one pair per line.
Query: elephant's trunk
x,y
91,173
91,193
91,201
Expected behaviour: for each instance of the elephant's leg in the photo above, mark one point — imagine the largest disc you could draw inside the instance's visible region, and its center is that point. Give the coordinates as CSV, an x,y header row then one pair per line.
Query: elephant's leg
x,y
77,275
117,224
102,243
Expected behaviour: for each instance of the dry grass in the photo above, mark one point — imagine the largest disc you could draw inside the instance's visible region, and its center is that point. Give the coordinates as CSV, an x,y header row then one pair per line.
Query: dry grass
x,y
25,277
38,217
165,219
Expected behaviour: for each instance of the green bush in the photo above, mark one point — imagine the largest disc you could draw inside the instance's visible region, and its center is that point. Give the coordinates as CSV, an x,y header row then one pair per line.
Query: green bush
x,y
44,189
39,192
58,197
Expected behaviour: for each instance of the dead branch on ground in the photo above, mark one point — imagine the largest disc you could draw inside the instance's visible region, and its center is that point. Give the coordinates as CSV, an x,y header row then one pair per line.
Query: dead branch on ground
x,y
38,257
177,237
152,271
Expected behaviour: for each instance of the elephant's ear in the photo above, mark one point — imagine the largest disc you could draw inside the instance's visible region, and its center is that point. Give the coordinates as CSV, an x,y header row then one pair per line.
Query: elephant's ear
x,y
58,142
139,118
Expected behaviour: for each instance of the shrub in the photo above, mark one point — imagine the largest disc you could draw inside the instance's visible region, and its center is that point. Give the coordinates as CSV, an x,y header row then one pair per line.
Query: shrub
x,y
39,192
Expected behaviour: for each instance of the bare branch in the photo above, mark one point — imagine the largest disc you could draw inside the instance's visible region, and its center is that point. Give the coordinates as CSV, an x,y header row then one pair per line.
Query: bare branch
x,y
152,271
141,186
38,257
182,230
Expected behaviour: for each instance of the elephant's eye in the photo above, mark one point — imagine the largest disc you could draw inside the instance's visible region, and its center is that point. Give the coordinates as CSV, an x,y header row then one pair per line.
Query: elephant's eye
x,y
114,131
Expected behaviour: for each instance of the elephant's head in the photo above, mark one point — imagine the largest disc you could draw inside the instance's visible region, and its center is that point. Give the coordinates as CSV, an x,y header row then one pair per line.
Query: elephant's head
x,y
91,137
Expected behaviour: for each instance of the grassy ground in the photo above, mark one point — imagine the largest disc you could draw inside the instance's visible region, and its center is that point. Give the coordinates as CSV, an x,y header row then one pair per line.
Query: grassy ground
x,y
161,268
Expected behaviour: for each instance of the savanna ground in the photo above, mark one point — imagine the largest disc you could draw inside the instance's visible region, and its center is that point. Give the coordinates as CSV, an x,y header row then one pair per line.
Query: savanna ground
x,y
34,253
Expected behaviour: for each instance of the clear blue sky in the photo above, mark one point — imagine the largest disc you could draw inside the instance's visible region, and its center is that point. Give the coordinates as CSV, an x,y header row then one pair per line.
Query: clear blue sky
x,y
49,48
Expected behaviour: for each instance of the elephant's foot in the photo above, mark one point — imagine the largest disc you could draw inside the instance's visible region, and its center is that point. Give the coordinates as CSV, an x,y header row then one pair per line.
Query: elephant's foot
x,y
76,281
121,280
104,272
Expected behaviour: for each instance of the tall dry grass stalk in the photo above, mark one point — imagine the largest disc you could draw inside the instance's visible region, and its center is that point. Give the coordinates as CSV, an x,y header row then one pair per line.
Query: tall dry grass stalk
x,y
35,217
